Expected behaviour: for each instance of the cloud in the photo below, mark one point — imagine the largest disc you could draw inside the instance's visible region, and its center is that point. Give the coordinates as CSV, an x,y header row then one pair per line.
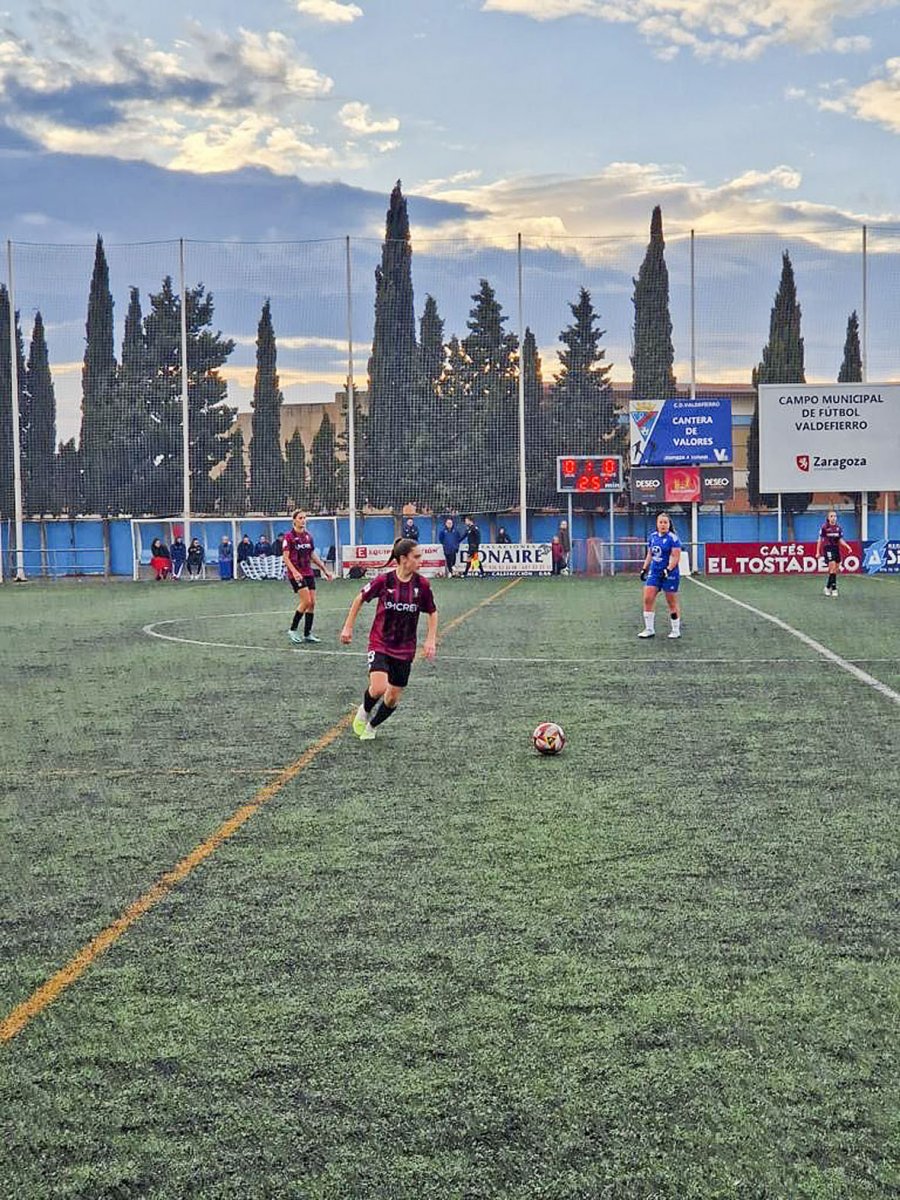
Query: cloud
x,y
358,119
877,101
329,12
212,102
728,29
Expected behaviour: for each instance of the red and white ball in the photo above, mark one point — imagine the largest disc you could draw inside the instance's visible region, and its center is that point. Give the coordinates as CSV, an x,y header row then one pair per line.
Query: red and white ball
x,y
549,738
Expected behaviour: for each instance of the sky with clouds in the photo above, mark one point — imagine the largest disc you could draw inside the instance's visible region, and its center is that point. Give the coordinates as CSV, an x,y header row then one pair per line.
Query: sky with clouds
x,y
559,119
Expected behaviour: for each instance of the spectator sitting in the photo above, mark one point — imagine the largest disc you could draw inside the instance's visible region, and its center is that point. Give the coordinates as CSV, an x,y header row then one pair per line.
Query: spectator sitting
x,y
245,548
226,558
410,529
278,545
179,555
195,557
263,547
160,559
503,538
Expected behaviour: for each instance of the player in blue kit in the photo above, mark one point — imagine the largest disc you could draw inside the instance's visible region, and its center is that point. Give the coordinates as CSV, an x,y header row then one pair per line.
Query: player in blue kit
x,y
660,574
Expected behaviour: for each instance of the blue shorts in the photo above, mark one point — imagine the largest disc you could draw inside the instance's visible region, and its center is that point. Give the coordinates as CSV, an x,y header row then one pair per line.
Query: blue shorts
x,y
668,584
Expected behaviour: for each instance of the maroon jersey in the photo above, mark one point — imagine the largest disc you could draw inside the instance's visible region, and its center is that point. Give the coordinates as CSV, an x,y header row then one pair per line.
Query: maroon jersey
x,y
831,535
397,615
300,547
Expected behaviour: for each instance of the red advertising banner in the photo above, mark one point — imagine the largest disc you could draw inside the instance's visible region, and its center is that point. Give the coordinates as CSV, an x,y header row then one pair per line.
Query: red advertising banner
x,y
773,558
682,485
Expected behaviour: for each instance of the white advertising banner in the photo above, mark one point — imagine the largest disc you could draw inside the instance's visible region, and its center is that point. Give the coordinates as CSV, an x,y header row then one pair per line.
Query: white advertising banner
x,y
373,559
535,558
841,437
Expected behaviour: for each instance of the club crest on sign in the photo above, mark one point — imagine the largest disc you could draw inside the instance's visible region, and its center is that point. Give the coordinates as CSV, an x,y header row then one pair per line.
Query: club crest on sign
x,y
803,462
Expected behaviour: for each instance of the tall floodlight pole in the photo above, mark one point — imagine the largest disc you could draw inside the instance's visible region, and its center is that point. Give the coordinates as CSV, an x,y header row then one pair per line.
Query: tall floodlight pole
x,y
185,415
14,402
523,484
351,405
864,498
695,522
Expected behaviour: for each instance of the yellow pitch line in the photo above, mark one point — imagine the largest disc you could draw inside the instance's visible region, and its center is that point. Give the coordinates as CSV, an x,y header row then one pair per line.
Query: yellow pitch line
x,y
76,966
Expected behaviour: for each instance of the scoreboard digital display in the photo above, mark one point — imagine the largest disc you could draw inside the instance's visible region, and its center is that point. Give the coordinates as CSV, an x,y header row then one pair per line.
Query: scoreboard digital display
x,y
583,473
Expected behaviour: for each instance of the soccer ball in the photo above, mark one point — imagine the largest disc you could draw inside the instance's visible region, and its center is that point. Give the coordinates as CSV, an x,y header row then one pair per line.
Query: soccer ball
x,y
548,738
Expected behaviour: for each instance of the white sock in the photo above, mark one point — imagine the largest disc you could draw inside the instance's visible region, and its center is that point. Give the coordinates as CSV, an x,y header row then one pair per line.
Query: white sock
x,y
650,621
676,624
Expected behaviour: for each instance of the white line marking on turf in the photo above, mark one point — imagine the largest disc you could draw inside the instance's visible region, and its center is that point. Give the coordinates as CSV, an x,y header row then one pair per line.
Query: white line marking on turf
x,y
844,663
682,661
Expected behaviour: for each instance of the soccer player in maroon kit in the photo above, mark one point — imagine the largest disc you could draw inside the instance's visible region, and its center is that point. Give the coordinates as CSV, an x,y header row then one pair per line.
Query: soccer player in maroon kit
x,y
830,543
402,594
299,554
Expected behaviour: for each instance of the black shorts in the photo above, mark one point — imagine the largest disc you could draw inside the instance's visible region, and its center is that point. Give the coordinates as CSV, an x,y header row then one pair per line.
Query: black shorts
x,y
308,581
397,669
832,554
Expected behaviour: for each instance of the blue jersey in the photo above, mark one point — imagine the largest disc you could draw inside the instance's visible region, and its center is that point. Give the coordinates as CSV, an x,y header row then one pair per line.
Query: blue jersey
x,y
661,546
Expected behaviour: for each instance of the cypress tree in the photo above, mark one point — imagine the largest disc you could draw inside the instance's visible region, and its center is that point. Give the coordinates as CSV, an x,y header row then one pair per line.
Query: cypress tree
x,y
425,479
323,469
654,356
851,372
393,359
233,479
782,363
68,479
540,461
7,460
134,372
40,462
268,492
101,434
295,471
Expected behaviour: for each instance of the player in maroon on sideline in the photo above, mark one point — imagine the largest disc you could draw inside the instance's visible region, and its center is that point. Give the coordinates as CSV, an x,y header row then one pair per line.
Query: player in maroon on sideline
x,y
402,594
831,543
299,554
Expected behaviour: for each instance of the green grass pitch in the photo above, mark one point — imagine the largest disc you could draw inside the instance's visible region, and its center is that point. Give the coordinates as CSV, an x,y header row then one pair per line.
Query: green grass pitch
x,y
435,965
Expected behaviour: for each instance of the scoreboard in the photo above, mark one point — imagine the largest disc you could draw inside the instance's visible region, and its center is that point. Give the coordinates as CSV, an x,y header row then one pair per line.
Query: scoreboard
x,y
589,473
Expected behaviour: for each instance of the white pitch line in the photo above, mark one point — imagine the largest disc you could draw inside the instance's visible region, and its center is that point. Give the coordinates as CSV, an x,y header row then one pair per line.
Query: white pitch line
x,y
844,663
151,631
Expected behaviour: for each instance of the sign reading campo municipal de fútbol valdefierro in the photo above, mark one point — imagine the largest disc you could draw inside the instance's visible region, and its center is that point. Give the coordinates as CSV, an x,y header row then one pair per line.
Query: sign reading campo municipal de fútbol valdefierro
x,y
829,437
673,432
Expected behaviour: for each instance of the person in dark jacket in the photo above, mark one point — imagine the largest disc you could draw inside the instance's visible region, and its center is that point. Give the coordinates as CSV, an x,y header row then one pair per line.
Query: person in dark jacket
x,y
226,558
503,538
160,559
473,538
449,537
410,529
179,556
263,547
278,545
195,557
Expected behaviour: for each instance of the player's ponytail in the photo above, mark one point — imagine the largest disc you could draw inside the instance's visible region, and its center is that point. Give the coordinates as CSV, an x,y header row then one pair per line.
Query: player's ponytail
x,y
401,546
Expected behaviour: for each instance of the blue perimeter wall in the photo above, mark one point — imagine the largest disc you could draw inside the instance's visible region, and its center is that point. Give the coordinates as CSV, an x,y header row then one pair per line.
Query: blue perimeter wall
x,y
76,547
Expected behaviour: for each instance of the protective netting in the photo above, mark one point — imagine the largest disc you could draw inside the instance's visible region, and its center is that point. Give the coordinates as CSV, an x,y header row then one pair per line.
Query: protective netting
x,y
443,339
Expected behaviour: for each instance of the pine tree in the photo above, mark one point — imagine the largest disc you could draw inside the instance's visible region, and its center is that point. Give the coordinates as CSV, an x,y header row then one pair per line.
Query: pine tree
x,y
268,491
392,364
323,469
101,443
296,472
40,459
488,442
654,356
209,417
782,363
233,480
7,459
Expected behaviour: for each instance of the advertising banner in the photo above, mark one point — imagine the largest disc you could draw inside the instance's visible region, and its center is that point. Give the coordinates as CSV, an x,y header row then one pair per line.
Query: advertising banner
x,y
681,485
673,432
773,558
881,557
532,559
372,559
841,437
